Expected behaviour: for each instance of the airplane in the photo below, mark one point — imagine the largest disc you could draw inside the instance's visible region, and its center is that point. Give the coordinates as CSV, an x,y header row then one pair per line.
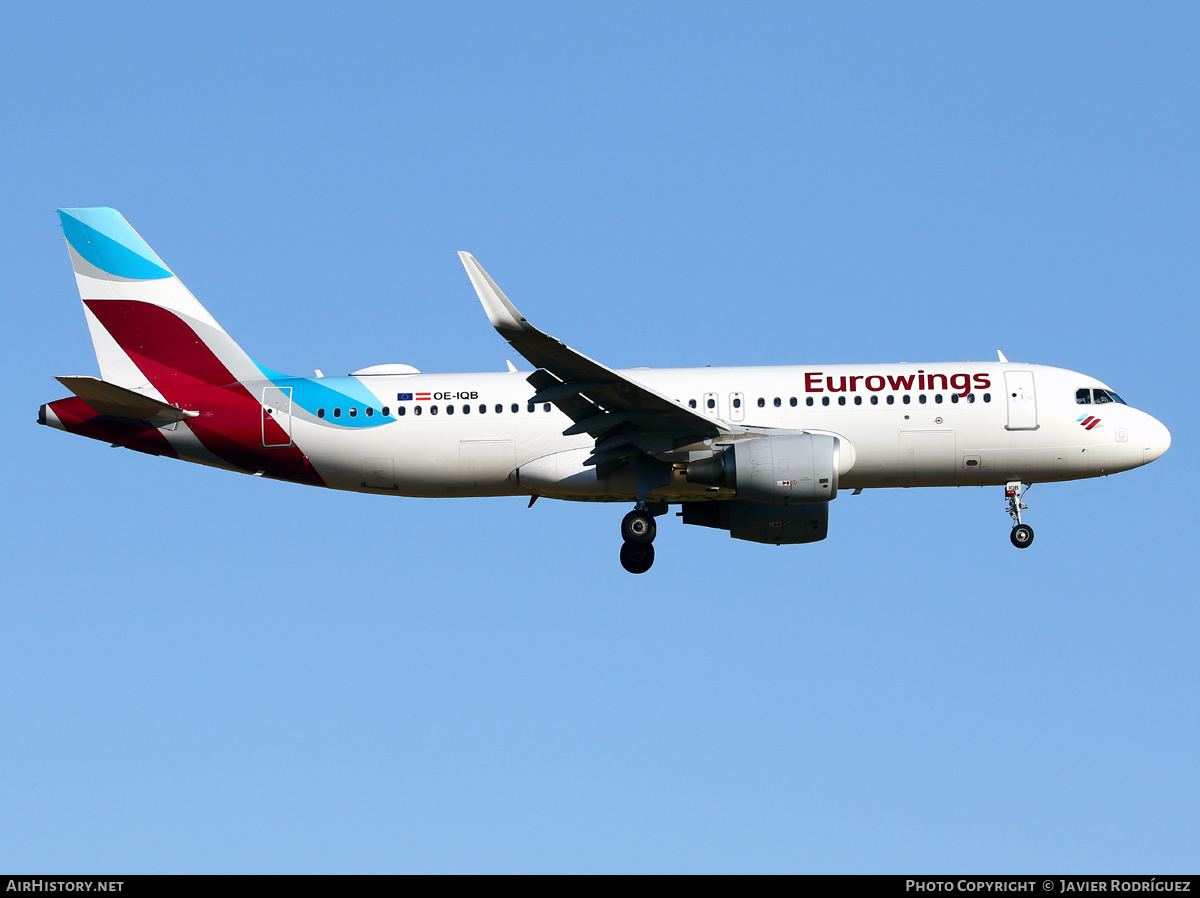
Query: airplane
x,y
757,451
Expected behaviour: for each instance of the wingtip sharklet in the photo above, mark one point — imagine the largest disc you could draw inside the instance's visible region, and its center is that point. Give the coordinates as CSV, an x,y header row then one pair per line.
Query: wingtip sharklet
x,y
500,310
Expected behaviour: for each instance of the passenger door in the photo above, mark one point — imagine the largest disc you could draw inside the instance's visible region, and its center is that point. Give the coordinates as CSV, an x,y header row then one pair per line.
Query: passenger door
x,y
1021,399
277,405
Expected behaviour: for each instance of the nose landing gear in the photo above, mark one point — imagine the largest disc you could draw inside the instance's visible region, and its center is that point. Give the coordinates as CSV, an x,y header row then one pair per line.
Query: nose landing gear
x,y
1022,534
637,532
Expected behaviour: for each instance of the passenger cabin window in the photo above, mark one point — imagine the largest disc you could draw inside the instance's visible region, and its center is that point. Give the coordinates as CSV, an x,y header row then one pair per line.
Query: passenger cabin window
x,y
841,400
824,400
1083,397
792,402
449,410
482,409
858,400
762,403
353,412
384,411
499,408
320,413
416,409
808,401
778,402
737,403
546,407
516,408
370,412
400,411
874,400
711,403
337,412
691,403
433,409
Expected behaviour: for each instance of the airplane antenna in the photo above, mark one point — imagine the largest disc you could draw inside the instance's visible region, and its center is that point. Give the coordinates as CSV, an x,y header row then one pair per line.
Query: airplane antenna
x,y
1002,358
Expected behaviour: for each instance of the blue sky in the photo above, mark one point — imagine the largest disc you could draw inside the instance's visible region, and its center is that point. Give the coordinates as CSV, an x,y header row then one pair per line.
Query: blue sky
x,y
203,672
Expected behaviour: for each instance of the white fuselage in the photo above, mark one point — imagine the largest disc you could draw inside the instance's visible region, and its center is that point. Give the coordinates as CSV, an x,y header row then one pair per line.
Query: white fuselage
x,y
947,424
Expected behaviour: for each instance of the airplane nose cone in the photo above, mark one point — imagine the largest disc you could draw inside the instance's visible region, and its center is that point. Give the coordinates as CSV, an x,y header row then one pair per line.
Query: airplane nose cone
x,y
1157,441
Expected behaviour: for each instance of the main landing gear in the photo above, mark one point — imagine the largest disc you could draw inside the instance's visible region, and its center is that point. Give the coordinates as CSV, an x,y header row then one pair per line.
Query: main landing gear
x,y
1022,534
638,530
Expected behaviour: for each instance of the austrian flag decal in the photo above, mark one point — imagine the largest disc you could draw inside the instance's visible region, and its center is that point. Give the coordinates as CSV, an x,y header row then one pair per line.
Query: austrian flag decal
x,y
1087,421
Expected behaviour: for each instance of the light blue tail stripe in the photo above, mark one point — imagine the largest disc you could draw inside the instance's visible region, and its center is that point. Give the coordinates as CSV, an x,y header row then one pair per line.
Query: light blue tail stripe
x,y
329,393
107,241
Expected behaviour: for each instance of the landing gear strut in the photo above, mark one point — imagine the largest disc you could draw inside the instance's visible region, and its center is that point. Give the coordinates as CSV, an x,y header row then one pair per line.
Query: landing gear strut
x,y
637,532
1022,534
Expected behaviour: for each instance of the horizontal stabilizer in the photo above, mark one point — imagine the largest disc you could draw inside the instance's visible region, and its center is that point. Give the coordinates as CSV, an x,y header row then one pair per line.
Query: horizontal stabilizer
x,y
117,402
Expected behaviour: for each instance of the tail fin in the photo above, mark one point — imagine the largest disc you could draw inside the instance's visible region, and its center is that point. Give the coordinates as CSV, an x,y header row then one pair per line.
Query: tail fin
x,y
174,383
149,332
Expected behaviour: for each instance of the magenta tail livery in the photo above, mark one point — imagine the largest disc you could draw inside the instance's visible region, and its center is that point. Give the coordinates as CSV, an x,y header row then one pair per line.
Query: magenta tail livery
x,y
757,451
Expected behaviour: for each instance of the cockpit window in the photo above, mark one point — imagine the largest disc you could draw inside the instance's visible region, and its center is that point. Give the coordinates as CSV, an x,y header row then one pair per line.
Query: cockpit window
x,y
1087,397
1107,396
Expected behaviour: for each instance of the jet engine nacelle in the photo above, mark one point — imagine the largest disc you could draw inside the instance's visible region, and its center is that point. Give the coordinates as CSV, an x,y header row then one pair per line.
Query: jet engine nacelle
x,y
785,470
762,522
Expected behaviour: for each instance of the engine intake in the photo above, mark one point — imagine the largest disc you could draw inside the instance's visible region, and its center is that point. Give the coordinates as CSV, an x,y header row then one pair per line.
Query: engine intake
x,y
786,470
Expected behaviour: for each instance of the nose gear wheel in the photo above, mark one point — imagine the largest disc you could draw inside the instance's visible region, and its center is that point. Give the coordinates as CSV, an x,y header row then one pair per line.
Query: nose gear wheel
x,y
1021,536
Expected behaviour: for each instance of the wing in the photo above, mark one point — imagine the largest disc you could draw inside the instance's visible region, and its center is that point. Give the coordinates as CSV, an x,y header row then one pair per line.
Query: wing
x,y
625,417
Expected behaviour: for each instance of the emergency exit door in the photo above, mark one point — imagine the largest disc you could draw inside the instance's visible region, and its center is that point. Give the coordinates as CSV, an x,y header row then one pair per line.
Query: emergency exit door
x,y
737,407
